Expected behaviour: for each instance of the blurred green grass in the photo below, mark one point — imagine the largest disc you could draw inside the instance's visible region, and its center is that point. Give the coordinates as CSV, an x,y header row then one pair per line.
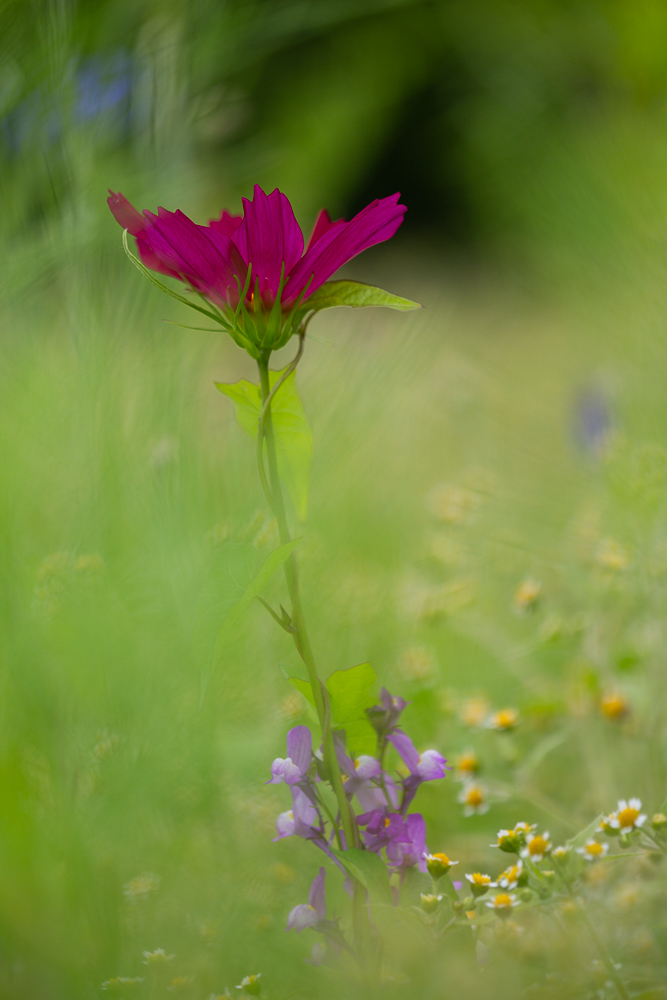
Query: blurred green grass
x,y
123,477
454,458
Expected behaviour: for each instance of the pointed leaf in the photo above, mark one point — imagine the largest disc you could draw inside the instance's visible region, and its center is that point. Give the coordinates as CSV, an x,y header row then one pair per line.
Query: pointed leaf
x,y
580,838
369,869
357,295
351,692
294,439
248,594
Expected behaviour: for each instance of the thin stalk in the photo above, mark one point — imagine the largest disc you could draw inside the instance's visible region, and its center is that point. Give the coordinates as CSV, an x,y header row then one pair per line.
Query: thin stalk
x,y
301,638
597,941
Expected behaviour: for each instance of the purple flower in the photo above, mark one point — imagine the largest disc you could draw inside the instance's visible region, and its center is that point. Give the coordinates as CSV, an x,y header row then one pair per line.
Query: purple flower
x,y
296,765
300,820
428,766
214,259
384,717
367,767
310,914
410,848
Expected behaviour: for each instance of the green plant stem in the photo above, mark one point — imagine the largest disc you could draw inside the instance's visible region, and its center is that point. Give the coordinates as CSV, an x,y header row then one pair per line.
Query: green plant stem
x,y
301,638
597,941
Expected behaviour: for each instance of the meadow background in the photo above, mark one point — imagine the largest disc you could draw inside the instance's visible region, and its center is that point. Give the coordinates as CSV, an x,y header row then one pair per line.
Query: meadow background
x,y
514,429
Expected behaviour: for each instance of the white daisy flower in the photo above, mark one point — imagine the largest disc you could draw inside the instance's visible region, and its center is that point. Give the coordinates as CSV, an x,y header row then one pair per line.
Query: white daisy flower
x,y
537,846
592,850
629,816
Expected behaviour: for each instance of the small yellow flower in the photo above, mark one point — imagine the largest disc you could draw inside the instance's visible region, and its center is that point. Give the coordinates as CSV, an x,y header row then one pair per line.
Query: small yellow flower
x,y
612,556
480,883
509,879
141,886
503,904
157,957
614,705
527,595
474,712
659,821
628,817
180,983
251,984
467,765
561,853
537,846
120,983
438,865
509,841
474,799
592,850
503,720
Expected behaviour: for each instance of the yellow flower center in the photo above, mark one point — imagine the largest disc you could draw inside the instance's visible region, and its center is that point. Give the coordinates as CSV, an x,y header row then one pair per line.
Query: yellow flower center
x,y
467,763
512,873
387,822
506,718
474,797
480,879
502,900
594,849
627,817
442,857
613,706
538,845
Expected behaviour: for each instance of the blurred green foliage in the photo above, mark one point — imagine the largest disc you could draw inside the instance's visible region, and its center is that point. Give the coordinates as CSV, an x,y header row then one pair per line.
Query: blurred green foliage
x,y
512,432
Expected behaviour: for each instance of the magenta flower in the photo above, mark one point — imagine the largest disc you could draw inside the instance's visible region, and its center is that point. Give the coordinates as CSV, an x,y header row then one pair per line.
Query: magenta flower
x,y
259,255
295,766
300,820
384,717
310,914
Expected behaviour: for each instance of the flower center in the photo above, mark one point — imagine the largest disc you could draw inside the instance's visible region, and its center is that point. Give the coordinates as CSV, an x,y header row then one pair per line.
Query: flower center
x,y
594,848
538,845
443,858
512,874
627,817
502,900
387,822
474,797
480,879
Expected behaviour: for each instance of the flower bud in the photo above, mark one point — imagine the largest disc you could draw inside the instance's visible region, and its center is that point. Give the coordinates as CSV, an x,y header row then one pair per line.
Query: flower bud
x,y
659,822
429,902
251,985
525,895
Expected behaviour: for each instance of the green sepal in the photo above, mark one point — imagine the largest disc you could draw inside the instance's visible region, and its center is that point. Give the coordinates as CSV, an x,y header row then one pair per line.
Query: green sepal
x,y
357,295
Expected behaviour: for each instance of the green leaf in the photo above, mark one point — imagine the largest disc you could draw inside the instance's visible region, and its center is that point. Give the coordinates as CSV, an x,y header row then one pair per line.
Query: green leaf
x,y
351,691
586,834
361,738
447,886
369,869
357,295
294,439
248,593
304,688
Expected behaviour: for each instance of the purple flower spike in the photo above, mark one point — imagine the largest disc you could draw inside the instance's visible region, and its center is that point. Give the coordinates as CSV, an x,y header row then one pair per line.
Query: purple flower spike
x,y
384,717
315,910
367,767
300,819
430,766
294,767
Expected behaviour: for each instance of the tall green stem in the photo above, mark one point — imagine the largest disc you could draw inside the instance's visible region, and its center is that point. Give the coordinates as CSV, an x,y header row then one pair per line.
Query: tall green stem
x,y
301,638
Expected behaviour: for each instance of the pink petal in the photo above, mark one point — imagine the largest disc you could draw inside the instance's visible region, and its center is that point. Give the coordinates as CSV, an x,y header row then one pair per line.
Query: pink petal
x,y
322,225
340,243
299,747
268,237
125,214
227,224
206,258
406,749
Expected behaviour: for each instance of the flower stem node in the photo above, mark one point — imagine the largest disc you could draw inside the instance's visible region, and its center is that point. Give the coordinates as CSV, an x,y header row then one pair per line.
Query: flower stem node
x,y
430,902
251,985
438,865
